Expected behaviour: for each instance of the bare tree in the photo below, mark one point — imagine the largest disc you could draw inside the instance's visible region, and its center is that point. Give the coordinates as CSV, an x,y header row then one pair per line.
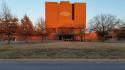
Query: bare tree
x,y
8,23
40,28
5,14
26,28
103,24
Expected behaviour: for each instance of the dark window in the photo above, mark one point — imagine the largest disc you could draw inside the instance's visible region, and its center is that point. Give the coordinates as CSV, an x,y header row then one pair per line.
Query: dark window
x,y
72,11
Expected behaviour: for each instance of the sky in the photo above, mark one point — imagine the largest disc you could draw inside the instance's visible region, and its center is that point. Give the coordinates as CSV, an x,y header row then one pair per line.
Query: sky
x,y
35,9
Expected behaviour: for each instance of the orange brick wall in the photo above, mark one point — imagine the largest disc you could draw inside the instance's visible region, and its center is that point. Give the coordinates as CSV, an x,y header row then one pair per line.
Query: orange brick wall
x,y
80,15
51,15
60,15
65,15
92,36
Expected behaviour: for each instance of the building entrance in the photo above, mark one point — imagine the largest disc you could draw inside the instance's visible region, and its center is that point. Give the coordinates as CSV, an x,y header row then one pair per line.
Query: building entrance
x,y
65,33
66,37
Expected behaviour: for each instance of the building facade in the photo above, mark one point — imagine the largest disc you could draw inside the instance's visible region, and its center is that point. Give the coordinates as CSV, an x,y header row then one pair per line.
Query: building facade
x,y
65,20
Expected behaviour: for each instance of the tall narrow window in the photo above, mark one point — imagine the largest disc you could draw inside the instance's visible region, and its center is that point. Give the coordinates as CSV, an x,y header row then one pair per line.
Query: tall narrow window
x,y
72,11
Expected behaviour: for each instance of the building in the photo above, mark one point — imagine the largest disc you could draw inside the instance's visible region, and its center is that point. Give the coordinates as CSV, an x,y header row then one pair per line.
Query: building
x,y
65,20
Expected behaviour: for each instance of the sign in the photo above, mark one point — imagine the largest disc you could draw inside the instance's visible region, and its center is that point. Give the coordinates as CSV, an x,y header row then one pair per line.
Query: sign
x,y
64,13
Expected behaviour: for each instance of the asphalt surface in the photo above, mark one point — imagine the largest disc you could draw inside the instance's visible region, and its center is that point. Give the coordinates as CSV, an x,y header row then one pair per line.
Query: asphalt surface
x,y
62,65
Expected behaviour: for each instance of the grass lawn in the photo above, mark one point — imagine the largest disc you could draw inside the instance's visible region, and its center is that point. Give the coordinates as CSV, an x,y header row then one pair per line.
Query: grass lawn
x,y
63,50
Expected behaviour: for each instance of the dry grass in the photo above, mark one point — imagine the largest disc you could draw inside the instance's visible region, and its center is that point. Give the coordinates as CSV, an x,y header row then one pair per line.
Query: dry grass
x,y
61,44
86,50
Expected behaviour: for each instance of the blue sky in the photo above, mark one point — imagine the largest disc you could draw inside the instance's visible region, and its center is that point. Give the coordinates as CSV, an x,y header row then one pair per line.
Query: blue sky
x,y
36,9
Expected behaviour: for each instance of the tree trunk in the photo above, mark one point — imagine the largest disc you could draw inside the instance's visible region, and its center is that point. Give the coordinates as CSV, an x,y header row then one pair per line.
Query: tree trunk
x,y
9,39
81,38
84,37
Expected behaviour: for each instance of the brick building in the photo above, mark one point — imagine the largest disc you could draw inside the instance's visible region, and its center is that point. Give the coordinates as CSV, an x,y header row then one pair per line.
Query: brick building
x,y
65,20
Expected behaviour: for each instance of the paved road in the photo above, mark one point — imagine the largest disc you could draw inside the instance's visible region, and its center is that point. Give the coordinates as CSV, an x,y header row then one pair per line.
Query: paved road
x,y
61,65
